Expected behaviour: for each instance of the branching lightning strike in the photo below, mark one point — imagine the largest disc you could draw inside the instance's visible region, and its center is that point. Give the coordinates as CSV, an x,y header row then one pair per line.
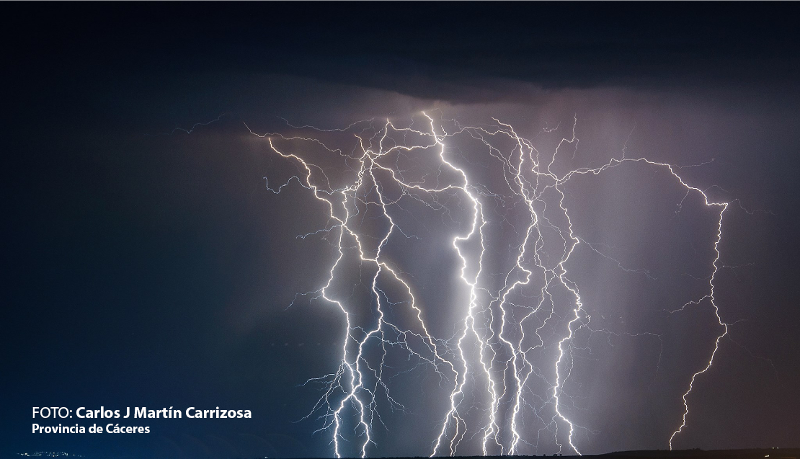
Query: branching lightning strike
x,y
508,363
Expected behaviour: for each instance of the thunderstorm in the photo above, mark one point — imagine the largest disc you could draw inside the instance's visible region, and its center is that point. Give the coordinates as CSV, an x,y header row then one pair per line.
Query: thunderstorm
x,y
401,230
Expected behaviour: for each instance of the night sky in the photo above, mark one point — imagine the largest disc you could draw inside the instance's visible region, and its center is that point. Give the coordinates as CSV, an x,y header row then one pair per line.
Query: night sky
x,y
149,261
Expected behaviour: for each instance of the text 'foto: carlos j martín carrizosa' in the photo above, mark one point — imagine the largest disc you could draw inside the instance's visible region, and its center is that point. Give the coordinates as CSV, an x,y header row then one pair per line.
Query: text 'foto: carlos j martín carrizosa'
x,y
141,412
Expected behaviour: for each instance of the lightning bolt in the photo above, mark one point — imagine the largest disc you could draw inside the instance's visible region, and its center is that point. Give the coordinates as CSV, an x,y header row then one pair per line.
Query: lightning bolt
x,y
508,363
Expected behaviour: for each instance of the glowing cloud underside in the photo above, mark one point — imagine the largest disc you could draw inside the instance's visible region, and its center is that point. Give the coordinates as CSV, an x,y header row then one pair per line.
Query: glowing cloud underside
x,y
512,347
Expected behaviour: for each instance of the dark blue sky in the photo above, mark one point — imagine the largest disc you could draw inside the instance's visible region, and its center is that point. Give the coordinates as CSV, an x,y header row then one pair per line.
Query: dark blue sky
x,y
154,270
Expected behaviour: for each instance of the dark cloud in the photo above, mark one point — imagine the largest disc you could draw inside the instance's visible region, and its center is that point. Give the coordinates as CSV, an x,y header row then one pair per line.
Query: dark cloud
x,y
399,46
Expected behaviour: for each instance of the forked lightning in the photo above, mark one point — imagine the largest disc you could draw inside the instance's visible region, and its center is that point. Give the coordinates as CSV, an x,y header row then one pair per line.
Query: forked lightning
x,y
513,350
